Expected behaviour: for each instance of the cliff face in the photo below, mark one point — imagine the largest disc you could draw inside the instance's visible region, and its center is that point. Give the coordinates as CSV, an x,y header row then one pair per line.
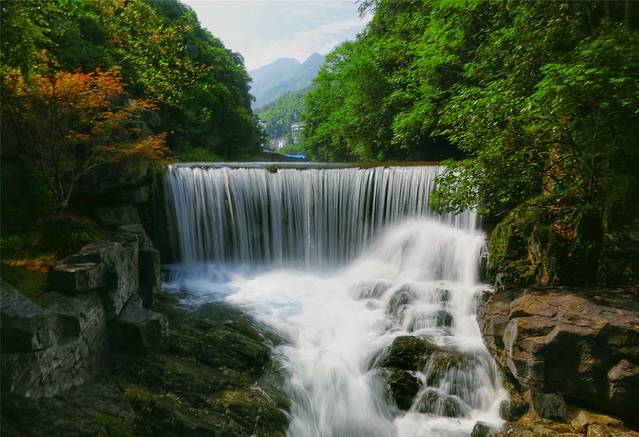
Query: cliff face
x,y
94,297
564,348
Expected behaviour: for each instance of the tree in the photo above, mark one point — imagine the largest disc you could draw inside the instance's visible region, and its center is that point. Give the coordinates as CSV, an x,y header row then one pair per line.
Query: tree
x,y
72,122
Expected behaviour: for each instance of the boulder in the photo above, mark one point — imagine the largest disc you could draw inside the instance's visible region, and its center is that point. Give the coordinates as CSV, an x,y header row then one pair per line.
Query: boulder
x,y
23,324
441,404
137,330
77,328
403,387
482,429
409,353
582,344
114,216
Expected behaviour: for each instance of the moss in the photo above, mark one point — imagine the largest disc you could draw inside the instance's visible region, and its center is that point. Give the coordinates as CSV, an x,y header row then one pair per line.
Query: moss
x,y
552,240
114,426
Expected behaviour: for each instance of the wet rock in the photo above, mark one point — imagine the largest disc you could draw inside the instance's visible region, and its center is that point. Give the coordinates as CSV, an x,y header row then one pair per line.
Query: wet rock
x,y
444,319
550,406
138,330
399,301
580,343
403,387
441,404
482,429
117,215
409,353
372,290
512,409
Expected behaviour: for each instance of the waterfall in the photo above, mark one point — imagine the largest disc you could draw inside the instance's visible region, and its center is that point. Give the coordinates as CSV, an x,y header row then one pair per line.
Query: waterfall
x,y
342,263
315,216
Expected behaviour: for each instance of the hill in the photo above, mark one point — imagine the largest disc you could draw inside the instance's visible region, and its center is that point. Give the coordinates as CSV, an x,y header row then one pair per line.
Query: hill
x,y
282,76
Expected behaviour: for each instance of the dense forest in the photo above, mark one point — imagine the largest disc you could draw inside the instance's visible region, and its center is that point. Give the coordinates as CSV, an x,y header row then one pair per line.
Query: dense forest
x,y
280,114
200,88
528,91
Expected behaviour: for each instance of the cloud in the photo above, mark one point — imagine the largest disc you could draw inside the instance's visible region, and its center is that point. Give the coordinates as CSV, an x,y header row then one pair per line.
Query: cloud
x,y
300,45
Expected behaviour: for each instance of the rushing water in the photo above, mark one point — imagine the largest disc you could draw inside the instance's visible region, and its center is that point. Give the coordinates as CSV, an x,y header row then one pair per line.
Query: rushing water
x,y
341,262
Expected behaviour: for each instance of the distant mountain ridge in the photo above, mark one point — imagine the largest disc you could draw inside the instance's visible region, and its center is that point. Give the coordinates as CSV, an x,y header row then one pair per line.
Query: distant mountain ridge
x,y
283,76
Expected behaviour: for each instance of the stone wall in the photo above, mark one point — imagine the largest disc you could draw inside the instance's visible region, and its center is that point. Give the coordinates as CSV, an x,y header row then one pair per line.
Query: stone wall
x,y
96,301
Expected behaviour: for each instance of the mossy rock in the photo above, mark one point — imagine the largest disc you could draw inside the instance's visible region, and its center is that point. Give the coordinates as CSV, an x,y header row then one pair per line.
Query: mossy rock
x,y
403,387
434,402
409,353
552,240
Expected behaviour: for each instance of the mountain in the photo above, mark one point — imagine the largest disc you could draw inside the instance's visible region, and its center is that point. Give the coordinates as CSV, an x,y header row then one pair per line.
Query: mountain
x,y
283,76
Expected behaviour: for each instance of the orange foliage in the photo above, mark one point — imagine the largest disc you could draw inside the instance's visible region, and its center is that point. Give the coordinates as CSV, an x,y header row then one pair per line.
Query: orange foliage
x,y
72,121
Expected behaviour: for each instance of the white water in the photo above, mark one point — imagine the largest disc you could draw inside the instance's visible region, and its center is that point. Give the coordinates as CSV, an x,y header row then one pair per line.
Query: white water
x,y
409,269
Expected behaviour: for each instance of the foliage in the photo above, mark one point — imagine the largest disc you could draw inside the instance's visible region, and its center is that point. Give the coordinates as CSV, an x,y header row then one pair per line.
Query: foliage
x,y
538,97
70,122
282,113
201,88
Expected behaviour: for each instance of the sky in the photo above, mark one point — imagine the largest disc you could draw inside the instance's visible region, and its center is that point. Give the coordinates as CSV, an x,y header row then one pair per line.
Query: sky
x,y
265,30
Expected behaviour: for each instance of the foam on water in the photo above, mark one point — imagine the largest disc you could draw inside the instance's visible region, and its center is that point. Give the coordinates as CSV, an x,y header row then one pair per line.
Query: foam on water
x,y
415,274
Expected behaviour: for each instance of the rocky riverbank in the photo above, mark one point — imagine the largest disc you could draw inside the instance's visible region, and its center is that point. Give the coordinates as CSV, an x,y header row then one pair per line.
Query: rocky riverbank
x,y
570,356
104,352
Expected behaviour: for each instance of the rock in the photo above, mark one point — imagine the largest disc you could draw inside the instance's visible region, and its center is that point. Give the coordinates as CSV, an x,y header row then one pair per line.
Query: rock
x,y
442,404
77,327
581,343
148,264
151,118
137,330
444,319
550,406
23,324
409,353
106,179
372,290
482,429
512,409
597,430
119,261
623,384
70,276
585,418
399,301
134,195
403,386
114,216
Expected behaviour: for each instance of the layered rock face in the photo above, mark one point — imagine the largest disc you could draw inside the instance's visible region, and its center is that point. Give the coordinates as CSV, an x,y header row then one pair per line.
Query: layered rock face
x,y
564,344
96,295
117,193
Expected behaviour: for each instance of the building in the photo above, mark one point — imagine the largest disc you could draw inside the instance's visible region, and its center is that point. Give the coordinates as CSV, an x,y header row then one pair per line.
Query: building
x,y
296,132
